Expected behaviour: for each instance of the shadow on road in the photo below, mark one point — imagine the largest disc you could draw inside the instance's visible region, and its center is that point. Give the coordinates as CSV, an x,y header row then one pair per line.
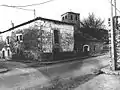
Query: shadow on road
x,y
66,84
78,72
72,69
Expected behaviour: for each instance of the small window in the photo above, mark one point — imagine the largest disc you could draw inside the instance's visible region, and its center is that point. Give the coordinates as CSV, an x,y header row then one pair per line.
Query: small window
x,y
62,18
17,38
71,17
8,52
76,18
65,17
8,41
56,36
21,38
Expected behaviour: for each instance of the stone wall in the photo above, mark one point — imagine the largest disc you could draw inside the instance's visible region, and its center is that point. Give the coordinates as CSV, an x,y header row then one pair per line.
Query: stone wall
x,y
38,39
95,47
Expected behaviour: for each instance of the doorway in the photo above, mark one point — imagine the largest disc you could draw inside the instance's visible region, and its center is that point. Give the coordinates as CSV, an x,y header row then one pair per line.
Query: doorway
x,y
3,54
86,49
56,48
56,41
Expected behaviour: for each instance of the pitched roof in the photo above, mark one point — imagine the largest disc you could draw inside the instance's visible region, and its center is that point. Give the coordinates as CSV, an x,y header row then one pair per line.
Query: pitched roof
x,y
38,18
87,36
84,36
71,13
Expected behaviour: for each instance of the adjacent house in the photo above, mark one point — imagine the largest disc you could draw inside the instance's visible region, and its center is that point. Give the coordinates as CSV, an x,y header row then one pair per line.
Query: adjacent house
x,y
84,44
87,45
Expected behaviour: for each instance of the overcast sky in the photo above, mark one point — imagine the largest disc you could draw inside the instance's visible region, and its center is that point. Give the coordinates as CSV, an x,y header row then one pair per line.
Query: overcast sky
x,y
51,10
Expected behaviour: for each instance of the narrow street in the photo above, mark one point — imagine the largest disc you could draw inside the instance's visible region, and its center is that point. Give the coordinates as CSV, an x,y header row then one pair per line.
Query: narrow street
x,y
77,68
21,78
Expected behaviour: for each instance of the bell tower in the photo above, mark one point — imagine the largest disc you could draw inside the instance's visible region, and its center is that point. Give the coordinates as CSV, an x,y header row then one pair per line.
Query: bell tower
x,y
71,17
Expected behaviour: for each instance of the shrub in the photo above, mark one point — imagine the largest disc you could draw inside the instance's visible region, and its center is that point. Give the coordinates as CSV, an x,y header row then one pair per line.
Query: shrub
x,y
32,55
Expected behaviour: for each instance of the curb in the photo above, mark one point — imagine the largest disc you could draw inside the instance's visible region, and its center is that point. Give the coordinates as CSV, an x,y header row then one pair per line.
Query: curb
x,y
64,60
108,71
4,70
42,63
72,59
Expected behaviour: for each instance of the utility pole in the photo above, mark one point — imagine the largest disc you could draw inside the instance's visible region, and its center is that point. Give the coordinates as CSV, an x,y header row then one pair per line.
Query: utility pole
x,y
115,34
34,13
112,40
12,23
115,7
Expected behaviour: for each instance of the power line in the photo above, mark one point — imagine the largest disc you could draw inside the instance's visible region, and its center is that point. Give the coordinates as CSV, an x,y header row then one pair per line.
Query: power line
x,y
33,10
115,7
17,8
30,4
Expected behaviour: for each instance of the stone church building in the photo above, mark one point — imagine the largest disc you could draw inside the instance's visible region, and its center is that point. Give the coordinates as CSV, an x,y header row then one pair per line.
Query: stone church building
x,y
47,39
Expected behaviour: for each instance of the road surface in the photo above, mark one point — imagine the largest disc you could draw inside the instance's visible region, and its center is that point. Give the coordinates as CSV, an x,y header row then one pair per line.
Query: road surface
x,y
20,78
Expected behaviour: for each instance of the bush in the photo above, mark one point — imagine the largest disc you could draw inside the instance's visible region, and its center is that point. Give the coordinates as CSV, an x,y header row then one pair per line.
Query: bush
x,y
18,56
32,55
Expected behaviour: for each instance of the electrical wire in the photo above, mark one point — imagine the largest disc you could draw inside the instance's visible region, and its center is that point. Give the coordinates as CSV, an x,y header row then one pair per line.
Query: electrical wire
x,y
18,8
30,4
114,6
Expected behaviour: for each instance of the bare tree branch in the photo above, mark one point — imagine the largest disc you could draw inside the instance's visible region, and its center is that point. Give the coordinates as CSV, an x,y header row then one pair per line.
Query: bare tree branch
x,y
93,22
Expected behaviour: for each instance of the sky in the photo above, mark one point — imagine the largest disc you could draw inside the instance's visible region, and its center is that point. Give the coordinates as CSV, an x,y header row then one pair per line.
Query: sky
x,y
52,10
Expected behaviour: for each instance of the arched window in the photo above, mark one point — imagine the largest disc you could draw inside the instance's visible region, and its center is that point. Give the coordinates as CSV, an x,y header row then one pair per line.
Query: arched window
x,y
71,17
62,18
8,52
76,18
3,54
66,17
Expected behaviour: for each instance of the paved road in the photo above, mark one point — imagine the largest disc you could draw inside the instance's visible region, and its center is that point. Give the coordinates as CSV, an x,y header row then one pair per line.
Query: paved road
x,y
20,78
80,67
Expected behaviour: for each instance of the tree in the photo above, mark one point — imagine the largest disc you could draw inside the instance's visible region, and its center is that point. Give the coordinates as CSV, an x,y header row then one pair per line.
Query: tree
x,y
93,22
94,27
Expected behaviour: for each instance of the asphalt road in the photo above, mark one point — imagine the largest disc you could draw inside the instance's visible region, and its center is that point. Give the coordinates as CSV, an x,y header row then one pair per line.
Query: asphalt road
x,y
21,78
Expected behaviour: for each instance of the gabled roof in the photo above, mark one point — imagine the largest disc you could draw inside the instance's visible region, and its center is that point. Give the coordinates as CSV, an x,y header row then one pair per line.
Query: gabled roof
x,y
85,37
38,18
81,34
70,13
94,33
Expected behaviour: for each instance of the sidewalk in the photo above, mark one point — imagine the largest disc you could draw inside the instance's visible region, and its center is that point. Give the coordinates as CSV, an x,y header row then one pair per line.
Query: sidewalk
x,y
102,82
3,70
